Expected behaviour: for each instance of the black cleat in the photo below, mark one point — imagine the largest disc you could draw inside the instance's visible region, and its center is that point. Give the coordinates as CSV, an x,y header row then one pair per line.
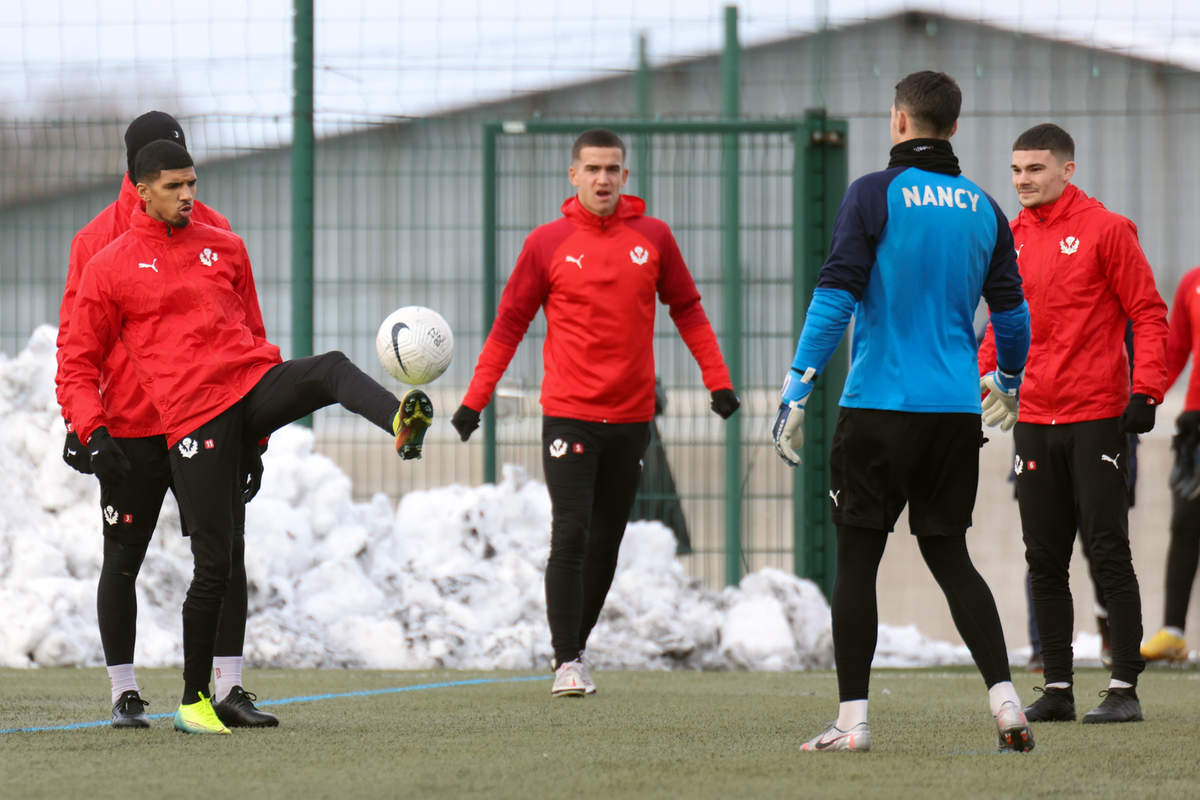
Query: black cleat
x,y
130,711
1055,705
412,419
238,711
1118,705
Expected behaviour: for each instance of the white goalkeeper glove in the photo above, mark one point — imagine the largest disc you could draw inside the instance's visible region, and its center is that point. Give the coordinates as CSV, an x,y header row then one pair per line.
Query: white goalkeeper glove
x,y
788,430
999,405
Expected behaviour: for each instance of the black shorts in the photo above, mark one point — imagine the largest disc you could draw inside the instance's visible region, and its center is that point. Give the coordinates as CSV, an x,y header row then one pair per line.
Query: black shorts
x,y
883,460
130,507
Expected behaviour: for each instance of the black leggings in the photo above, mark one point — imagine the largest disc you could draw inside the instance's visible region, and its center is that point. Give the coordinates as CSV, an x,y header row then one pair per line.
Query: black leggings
x,y
856,614
592,471
130,510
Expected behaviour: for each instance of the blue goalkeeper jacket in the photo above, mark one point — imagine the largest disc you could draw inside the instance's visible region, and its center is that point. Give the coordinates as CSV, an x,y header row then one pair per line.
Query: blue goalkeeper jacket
x,y
912,253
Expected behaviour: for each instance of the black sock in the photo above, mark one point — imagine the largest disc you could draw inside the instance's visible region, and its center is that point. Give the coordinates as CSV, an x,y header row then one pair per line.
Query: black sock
x,y
191,694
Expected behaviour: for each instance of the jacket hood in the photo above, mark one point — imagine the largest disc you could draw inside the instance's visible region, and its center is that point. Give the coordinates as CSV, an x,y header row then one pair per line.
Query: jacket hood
x,y
628,207
1071,202
127,199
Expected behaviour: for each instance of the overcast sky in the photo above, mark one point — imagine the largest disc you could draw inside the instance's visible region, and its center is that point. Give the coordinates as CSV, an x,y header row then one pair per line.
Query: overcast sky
x,y
418,56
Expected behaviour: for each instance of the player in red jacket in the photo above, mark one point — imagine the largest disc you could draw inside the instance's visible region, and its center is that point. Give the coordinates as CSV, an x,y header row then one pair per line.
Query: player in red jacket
x,y
1183,341
130,507
596,273
1085,278
180,296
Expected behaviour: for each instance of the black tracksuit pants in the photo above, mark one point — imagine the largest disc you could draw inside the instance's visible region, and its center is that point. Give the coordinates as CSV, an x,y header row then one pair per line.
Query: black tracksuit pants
x,y
207,470
1183,555
592,472
1073,477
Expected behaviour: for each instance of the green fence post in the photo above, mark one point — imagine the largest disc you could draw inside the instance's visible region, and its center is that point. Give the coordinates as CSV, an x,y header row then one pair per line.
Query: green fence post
x,y
302,182
731,258
490,132
820,180
642,79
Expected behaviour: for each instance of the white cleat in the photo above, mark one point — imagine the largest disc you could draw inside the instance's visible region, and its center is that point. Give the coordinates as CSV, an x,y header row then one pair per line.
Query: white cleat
x,y
1013,728
570,680
585,673
857,739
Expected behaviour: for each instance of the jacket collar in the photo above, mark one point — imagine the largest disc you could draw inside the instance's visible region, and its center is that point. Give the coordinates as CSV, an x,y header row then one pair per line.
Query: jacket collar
x,y
628,207
1070,201
144,225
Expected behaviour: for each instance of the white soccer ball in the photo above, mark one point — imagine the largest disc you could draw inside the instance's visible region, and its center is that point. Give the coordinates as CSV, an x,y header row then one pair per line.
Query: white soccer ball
x,y
414,344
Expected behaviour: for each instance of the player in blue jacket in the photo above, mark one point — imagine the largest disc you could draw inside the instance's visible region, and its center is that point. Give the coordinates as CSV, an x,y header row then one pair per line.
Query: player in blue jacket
x,y
914,248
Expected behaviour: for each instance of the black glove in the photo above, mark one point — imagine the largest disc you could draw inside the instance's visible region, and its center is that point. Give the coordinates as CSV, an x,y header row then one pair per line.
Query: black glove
x,y
1139,414
725,402
252,470
108,461
465,421
76,455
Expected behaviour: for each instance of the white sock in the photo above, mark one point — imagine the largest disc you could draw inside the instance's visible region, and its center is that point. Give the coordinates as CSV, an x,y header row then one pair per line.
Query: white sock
x,y
121,680
227,672
1116,684
1174,631
1001,693
1058,685
851,713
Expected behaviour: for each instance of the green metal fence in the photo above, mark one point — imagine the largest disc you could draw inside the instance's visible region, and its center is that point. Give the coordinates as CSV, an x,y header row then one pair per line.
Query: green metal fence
x,y
349,216
751,204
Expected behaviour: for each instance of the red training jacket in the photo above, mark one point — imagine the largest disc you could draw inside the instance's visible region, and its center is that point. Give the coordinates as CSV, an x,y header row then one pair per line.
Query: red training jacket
x,y
1183,337
127,408
1085,278
597,277
183,302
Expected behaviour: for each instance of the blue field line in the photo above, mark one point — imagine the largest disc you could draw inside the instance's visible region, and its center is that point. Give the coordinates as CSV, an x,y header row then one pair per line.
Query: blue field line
x,y
75,726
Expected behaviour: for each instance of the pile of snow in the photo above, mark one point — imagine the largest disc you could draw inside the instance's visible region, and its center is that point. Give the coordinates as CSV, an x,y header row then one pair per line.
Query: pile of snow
x,y
451,577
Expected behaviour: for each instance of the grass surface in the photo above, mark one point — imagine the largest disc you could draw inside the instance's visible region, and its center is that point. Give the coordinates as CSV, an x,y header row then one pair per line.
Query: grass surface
x,y
646,734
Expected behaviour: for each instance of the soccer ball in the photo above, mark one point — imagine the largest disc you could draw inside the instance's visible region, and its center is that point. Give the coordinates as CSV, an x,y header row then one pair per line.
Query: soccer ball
x,y
414,344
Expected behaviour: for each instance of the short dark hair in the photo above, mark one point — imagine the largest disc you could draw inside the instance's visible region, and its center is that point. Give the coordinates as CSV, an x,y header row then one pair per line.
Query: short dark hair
x,y
153,158
932,99
596,137
1047,136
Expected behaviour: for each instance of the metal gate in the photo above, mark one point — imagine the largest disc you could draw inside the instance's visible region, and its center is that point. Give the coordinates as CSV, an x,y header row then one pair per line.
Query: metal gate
x,y
751,204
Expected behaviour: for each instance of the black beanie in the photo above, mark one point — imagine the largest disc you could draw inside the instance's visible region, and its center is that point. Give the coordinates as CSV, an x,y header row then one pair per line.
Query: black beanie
x,y
150,127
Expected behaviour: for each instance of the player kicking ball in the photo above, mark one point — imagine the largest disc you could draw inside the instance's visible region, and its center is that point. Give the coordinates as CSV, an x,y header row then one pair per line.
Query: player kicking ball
x,y
180,296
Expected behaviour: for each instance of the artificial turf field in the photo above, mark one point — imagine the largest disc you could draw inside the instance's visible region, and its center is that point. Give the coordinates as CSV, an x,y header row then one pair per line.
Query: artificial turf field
x,y
365,734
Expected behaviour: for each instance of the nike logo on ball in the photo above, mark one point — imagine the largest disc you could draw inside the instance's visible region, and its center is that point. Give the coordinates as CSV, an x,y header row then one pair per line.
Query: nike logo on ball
x,y
399,326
